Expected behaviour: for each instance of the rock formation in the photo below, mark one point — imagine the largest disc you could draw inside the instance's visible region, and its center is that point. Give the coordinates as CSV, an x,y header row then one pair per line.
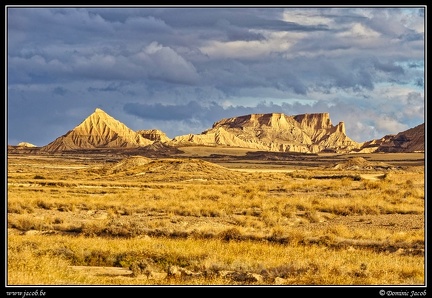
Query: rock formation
x,y
275,132
99,130
25,144
360,163
167,169
154,135
309,133
411,140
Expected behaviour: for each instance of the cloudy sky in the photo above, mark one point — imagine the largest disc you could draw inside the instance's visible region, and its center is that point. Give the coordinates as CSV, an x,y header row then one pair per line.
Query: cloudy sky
x,y
180,69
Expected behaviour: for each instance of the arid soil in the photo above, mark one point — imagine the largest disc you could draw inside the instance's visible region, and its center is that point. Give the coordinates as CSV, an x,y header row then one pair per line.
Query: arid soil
x,y
397,222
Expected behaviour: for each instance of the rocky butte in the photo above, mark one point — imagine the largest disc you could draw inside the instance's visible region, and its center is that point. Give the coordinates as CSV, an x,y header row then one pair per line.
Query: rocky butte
x,y
308,133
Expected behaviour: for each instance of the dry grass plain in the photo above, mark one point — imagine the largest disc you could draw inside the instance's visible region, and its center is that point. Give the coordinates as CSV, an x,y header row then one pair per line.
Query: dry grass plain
x,y
216,216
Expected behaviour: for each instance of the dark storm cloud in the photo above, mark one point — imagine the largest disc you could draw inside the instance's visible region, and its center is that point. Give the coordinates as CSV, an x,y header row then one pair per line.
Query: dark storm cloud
x,y
112,87
154,61
60,91
388,67
194,111
268,18
419,82
165,112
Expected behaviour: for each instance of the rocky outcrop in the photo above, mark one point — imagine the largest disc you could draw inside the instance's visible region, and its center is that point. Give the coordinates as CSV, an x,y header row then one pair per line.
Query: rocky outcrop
x,y
99,130
19,149
360,163
308,133
154,135
411,140
25,144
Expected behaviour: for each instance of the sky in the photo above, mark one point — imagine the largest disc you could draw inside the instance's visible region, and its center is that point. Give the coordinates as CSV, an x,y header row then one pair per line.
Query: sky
x,y
180,69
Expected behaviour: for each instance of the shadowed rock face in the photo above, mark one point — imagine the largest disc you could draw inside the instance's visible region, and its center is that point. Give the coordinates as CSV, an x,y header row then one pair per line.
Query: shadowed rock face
x,y
309,133
410,140
99,130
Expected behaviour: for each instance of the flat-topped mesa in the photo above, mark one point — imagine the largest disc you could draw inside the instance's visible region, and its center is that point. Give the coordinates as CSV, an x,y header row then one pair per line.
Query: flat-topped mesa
x,y
274,120
314,121
276,132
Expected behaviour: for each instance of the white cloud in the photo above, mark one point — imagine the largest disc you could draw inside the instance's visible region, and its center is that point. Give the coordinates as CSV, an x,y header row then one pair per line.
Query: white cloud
x,y
390,125
274,42
306,17
398,93
359,30
235,49
164,63
153,48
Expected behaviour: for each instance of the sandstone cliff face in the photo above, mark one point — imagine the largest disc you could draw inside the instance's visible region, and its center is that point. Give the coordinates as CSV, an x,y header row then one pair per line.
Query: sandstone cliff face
x,y
154,135
99,130
411,140
309,133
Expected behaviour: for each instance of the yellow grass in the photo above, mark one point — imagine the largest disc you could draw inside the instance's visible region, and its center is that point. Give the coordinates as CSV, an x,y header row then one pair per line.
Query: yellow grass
x,y
220,226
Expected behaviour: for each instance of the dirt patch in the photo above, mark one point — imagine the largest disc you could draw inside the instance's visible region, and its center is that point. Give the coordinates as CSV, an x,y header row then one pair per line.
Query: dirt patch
x,y
99,270
403,223
265,170
360,163
374,177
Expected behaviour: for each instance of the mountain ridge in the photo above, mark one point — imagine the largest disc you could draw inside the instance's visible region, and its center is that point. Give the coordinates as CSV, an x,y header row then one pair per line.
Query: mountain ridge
x,y
410,140
277,132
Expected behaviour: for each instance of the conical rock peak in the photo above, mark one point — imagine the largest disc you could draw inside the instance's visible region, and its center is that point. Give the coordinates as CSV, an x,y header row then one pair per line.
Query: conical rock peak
x,y
99,130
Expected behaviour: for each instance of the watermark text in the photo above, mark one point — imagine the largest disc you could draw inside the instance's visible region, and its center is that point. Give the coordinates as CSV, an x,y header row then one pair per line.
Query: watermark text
x,y
403,293
24,294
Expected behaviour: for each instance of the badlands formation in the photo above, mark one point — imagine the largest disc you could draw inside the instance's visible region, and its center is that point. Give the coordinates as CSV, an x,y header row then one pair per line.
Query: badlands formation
x,y
411,140
99,130
276,132
307,133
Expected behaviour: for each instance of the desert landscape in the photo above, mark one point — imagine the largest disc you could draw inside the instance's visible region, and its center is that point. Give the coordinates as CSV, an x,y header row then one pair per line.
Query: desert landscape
x,y
264,199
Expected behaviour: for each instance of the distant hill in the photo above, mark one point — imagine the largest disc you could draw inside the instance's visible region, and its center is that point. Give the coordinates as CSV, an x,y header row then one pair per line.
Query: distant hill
x,y
25,144
163,169
411,140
